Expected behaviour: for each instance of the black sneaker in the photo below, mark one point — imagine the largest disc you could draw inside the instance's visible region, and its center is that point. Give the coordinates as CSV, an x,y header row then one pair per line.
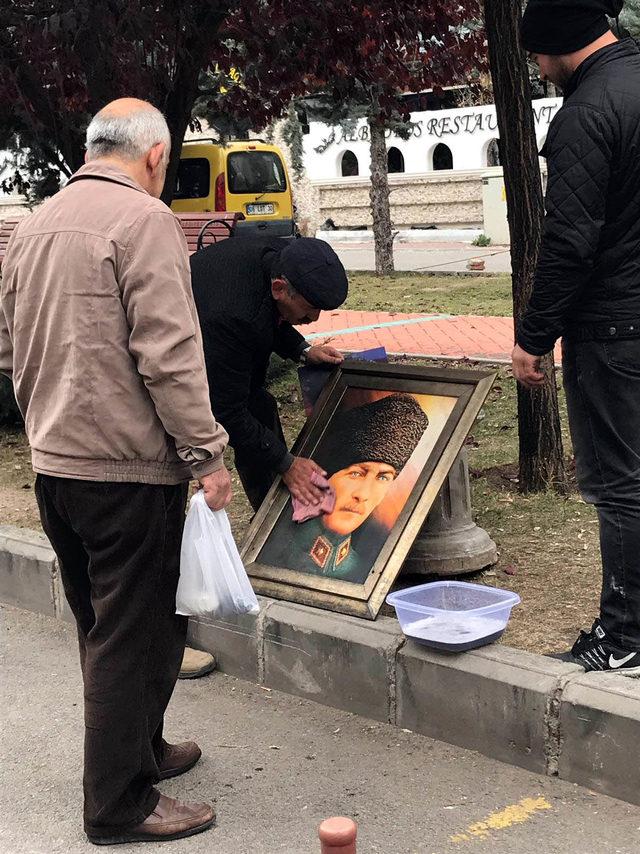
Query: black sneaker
x,y
595,651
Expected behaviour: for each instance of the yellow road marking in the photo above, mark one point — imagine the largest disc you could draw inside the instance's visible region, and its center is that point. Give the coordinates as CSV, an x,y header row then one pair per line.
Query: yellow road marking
x,y
514,814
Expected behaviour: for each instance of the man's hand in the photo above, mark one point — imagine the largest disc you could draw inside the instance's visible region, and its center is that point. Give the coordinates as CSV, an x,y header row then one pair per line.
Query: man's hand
x,y
217,489
322,354
298,480
526,368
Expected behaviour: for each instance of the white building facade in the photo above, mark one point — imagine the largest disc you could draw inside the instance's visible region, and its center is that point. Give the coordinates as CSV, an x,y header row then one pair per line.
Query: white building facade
x,y
461,139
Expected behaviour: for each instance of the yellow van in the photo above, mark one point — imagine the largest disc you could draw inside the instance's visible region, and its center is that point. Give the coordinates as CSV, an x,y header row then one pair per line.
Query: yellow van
x,y
248,176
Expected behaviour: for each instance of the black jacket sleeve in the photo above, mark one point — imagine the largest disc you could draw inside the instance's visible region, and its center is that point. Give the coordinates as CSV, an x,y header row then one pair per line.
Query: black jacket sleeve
x,y
228,355
288,343
579,151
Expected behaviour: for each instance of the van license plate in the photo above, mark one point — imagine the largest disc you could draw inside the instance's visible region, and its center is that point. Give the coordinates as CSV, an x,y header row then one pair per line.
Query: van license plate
x,y
261,210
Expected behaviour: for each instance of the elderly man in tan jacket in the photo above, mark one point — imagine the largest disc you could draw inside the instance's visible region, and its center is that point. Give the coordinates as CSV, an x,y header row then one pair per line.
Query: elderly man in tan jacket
x,y
99,332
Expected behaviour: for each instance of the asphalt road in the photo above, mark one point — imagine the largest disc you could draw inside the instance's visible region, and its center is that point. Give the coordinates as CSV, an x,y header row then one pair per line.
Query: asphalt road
x,y
276,766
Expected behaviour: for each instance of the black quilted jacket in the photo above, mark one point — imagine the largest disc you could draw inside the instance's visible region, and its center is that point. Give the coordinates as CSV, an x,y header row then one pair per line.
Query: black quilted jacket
x,y
241,328
589,264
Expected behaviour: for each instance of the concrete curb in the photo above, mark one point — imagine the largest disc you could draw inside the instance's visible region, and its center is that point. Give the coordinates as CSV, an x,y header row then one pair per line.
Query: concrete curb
x,y
514,706
29,575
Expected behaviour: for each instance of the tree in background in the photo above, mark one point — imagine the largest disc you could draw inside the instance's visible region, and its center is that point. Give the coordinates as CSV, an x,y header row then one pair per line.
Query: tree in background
x,y
630,17
292,133
541,453
62,60
360,56
358,104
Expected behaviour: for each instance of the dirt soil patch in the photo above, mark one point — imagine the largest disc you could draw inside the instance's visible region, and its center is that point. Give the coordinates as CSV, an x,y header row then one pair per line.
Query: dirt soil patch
x,y
17,500
547,543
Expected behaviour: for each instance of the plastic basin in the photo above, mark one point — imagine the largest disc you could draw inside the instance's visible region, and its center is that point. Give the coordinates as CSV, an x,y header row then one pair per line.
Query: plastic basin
x,y
453,615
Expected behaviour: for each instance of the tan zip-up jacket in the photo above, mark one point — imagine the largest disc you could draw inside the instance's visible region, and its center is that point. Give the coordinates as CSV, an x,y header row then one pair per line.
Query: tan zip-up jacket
x,y
99,333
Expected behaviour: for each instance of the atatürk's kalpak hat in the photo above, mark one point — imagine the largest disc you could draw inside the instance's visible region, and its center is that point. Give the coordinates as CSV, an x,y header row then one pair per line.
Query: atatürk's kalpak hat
x,y
558,27
385,431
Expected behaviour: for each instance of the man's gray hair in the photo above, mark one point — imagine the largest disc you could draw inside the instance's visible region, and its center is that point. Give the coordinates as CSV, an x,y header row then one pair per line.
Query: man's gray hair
x,y
128,136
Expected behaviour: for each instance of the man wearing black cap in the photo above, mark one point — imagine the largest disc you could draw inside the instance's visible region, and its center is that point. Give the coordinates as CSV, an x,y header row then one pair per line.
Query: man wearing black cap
x,y
587,289
365,450
249,295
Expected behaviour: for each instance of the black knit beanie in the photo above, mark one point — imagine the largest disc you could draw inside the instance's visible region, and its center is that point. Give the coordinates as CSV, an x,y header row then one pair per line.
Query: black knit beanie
x,y
558,27
385,431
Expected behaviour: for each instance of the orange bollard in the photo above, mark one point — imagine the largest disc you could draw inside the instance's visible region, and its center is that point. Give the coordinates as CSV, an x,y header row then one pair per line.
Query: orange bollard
x,y
338,835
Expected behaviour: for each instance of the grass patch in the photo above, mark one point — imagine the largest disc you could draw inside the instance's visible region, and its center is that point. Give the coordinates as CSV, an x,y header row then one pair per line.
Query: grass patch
x,y
415,292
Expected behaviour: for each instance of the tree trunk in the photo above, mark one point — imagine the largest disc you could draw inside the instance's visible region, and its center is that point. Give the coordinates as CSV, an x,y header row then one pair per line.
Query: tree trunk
x,y
177,109
208,18
379,194
541,455
176,94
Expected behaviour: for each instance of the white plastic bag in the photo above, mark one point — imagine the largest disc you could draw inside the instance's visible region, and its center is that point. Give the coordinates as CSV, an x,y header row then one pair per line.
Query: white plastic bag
x,y
213,581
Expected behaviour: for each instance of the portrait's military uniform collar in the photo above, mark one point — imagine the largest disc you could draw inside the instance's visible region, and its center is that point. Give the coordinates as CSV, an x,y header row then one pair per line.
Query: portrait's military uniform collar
x,y
328,554
311,548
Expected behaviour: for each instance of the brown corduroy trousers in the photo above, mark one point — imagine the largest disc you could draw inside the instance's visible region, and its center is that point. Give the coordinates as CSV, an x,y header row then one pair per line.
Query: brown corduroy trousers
x,y
118,545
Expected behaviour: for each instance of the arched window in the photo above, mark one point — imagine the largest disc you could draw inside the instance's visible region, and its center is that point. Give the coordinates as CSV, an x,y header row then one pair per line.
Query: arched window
x,y
493,152
349,165
395,161
442,157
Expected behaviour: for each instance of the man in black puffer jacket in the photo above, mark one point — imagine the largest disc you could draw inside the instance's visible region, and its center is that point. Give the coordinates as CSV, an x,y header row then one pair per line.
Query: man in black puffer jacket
x,y
587,289
249,293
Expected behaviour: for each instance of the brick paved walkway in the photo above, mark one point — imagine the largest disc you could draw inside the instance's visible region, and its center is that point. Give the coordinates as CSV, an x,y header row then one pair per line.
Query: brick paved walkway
x,y
459,336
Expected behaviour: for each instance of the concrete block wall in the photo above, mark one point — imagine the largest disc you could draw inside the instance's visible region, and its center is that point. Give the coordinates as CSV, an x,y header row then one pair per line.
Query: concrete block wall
x,y
13,206
448,200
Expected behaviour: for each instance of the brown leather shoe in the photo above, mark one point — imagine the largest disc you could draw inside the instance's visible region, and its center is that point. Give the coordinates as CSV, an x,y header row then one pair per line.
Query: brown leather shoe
x,y
178,758
170,819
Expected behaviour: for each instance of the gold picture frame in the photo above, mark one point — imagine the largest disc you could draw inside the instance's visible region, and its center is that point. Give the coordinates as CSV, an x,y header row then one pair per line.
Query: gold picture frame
x,y
453,397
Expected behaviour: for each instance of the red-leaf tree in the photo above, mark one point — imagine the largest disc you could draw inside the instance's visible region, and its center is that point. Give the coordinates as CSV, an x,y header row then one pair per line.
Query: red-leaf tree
x,y
61,60
361,56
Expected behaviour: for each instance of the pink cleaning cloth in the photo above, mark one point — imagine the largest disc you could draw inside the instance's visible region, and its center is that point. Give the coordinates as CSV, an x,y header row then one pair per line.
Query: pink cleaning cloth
x,y
303,511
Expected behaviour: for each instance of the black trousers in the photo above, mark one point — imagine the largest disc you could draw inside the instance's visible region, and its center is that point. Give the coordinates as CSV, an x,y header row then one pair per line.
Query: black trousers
x,y
118,545
256,477
602,384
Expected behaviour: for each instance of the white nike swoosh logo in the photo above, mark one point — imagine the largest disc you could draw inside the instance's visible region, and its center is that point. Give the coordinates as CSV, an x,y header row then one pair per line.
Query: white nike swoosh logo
x,y
615,662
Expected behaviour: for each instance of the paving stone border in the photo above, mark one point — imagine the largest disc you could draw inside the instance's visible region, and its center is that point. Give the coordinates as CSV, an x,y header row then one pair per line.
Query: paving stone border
x,y
514,706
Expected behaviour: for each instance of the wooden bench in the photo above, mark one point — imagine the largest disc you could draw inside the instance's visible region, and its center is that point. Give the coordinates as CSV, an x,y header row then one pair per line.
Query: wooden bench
x,y
219,226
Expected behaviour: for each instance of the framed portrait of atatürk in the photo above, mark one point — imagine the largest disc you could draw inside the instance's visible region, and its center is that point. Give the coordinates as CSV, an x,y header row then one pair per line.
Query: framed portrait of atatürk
x,y
386,435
